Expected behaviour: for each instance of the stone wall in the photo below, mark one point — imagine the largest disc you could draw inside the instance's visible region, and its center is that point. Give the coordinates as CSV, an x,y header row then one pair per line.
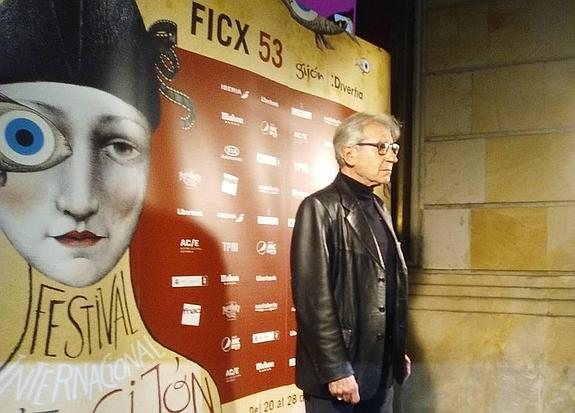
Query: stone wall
x,y
493,291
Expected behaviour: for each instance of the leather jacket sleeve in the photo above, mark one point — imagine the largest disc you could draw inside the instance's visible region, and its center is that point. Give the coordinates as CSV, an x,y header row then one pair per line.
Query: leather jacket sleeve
x,y
319,330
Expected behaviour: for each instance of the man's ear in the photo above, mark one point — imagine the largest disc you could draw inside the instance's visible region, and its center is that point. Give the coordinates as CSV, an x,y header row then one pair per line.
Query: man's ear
x,y
349,155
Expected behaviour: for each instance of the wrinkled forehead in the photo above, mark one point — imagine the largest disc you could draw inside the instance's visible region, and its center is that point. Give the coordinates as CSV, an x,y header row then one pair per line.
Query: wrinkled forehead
x,y
376,132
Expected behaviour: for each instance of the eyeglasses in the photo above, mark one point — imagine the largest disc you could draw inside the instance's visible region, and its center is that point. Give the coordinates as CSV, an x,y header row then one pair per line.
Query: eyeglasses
x,y
382,147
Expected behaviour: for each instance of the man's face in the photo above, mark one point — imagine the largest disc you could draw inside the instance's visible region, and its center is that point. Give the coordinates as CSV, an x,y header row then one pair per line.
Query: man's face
x,y
73,220
366,165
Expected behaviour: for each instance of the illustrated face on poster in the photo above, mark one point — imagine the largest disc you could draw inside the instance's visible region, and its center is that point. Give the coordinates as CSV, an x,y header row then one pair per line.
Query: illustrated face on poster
x,y
78,104
95,315
74,220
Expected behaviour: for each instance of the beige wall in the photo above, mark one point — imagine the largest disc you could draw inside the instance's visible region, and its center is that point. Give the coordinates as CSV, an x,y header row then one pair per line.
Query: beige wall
x,y
493,298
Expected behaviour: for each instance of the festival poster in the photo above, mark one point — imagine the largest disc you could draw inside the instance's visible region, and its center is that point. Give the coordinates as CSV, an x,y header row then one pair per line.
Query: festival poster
x,y
145,233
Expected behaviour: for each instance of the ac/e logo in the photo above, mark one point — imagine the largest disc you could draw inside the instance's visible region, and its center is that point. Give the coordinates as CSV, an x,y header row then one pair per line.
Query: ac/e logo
x,y
234,371
190,243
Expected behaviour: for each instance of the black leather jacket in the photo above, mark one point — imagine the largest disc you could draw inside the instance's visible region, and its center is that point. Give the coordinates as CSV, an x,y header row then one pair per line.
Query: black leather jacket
x,y
338,286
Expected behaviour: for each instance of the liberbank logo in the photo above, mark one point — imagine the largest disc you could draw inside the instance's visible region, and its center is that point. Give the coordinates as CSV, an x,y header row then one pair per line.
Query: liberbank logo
x,y
189,212
266,278
269,101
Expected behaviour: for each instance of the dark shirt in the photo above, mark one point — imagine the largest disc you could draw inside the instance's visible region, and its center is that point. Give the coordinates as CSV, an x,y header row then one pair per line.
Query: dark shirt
x,y
385,241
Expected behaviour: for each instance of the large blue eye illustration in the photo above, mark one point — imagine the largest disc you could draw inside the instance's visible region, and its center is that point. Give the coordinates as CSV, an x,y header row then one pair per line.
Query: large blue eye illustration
x,y
28,141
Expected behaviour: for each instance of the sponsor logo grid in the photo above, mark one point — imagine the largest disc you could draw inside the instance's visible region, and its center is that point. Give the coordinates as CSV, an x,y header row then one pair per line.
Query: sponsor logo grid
x,y
283,164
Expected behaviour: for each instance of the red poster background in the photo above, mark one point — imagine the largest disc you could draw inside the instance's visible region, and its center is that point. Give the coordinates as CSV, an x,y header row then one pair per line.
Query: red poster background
x,y
261,109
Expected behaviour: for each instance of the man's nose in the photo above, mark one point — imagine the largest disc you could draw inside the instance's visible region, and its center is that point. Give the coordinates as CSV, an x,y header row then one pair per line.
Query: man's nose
x,y
391,156
78,195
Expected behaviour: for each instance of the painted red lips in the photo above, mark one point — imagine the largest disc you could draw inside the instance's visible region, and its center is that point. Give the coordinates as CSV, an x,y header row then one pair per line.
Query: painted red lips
x,y
78,239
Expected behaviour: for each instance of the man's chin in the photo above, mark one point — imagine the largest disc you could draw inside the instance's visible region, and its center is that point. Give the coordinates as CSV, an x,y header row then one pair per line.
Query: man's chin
x,y
383,181
385,178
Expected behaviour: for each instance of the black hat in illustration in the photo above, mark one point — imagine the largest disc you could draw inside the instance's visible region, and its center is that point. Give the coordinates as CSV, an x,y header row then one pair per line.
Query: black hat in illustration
x,y
97,43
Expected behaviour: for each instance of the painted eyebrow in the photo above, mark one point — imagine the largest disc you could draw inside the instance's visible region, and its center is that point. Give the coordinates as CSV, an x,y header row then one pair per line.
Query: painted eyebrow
x,y
58,116
52,110
54,115
115,118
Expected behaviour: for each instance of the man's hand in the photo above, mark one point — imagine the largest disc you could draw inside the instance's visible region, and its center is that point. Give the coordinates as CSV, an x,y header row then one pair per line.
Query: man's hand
x,y
407,367
345,389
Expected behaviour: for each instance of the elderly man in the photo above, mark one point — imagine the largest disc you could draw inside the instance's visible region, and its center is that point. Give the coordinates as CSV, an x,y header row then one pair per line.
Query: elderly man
x,y
349,278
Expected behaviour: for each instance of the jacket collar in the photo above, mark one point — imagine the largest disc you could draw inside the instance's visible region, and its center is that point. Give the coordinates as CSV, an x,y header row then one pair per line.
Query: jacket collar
x,y
387,218
348,198
356,218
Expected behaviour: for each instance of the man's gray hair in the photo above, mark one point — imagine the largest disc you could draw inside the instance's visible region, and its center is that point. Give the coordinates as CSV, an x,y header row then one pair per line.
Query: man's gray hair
x,y
350,131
